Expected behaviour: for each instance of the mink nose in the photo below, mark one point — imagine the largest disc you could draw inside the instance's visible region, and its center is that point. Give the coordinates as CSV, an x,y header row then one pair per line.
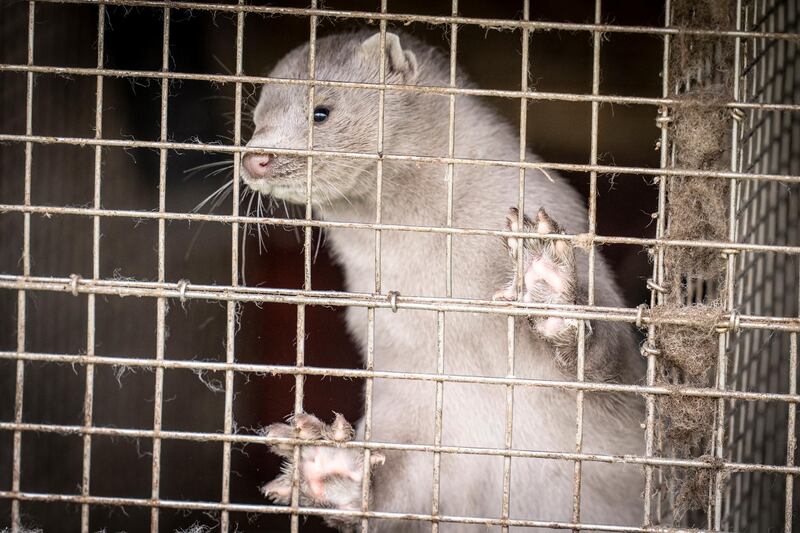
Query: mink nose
x,y
257,165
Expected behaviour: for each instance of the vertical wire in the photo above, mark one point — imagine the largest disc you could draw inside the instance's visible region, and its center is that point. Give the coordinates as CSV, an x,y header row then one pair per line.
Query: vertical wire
x,y
758,163
508,440
596,41
739,369
749,222
88,401
791,437
369,367
581,363
779,220
437,433
762,137
232,307
656,297
161,304
379,162
726,337
451,140
768,218
775,262
370,362
509,429
773,304
741,351
440,315
301,308
16,471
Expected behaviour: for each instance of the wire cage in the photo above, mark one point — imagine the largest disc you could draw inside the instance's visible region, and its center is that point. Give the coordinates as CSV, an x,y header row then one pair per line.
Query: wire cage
x,y
148,336
766,213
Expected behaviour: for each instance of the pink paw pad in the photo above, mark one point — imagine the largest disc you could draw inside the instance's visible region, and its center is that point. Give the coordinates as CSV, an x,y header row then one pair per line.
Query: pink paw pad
x,y
551,326
330,475
544,270
319,467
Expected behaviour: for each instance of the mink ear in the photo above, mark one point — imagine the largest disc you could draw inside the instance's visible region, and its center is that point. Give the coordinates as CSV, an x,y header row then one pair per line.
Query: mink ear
x,y
402,63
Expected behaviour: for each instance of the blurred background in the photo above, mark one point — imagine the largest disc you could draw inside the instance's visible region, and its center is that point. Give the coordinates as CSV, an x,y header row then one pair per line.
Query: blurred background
x,y
204,42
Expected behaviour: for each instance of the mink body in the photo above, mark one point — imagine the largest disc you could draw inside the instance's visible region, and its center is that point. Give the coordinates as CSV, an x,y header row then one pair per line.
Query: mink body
x,y
413,263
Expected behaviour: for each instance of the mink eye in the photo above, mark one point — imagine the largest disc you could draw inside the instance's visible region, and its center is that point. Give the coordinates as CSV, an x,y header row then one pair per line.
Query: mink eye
x,y
321,114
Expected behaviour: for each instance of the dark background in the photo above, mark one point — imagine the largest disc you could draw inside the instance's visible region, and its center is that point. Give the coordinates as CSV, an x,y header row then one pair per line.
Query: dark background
x,y
201,42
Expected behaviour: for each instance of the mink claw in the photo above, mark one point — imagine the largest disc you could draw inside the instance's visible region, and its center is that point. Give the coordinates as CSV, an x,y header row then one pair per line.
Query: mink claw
x,y
340,430
307,426
545,223
376,459
281,431
279,490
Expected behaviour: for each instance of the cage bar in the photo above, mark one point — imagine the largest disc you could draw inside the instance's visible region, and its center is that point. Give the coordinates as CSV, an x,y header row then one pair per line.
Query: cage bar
x,y
91,308
438,20
26,270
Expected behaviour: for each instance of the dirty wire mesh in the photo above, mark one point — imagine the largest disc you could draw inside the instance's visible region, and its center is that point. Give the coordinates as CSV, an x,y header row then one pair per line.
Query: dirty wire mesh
x,y
766,433
106,318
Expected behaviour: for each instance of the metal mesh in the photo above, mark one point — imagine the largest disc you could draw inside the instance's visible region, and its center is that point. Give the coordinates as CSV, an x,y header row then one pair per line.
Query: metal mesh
x,y
758,403
766,285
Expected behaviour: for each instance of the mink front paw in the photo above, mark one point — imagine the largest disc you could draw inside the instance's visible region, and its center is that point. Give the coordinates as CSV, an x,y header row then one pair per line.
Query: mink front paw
x,y
329,476
549,276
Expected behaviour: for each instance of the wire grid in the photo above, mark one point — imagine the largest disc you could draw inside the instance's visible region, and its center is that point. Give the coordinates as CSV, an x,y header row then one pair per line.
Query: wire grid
x,y
756,180
766,433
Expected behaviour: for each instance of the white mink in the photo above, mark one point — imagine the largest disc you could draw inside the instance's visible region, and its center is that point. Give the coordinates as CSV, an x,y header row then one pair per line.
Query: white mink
x,y
413,263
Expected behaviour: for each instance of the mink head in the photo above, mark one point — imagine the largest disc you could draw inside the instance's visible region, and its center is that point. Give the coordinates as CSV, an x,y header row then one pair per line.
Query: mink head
x,y
344,119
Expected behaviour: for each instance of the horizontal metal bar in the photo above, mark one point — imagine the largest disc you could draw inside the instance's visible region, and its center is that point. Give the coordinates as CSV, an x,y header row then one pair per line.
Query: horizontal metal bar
x,y
184,290
353,373
425,89
48,211
313,511
374,445
229,149
486,23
